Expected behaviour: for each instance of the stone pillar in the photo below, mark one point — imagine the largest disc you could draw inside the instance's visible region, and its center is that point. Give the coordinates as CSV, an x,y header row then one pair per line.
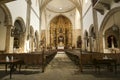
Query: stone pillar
x,y
40,13
28,19
22,43
119,39
101,42
95,22
8,35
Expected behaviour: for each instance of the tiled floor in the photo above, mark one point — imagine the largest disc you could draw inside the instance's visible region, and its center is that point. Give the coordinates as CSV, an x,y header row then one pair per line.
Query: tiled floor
x,y
60,68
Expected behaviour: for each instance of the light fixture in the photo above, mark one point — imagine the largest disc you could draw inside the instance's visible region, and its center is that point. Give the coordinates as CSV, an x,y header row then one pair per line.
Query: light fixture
x,y
60,8
86,1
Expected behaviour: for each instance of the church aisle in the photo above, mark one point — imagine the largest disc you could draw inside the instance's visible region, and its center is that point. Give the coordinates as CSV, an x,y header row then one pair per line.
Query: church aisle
x,y
61,68
62,62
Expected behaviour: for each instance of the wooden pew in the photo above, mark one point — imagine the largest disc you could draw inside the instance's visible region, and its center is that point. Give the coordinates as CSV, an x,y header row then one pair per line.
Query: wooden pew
x,y
86,58
35,58
26,58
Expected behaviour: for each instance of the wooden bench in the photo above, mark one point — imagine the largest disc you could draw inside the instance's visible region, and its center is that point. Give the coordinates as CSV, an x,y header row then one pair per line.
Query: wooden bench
x,y
35,58
86,58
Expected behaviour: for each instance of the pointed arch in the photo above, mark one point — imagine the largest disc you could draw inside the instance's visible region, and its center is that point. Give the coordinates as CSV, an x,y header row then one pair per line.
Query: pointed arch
x,y
19,35
7,23
8,17
21,22
104,28
107,17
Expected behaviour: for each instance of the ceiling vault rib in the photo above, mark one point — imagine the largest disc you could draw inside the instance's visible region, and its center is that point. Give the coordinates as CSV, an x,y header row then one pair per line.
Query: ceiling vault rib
x,y
77,3
79,6
43,5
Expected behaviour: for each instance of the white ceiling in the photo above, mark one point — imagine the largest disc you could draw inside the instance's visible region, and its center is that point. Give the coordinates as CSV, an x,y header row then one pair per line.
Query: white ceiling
x,y
60,6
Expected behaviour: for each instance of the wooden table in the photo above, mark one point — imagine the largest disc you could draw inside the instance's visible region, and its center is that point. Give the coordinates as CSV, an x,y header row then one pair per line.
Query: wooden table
x,y
105,62
12,64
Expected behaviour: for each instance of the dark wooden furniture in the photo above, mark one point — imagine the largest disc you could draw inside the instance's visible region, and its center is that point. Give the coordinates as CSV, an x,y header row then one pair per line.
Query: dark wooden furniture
x,y
12,64
109,63
40,59
85,59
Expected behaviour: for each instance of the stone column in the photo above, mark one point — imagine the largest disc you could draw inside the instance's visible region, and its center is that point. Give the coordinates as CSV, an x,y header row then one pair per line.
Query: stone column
x,y
119,40
28,19
40,14
8,35
22,43
95,22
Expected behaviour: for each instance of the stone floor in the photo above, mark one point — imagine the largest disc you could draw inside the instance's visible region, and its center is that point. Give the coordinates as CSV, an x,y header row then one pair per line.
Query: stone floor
x,y
60,68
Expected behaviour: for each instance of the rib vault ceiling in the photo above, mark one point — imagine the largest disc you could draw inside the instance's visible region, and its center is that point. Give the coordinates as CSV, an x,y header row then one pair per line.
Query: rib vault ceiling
x,y
60,5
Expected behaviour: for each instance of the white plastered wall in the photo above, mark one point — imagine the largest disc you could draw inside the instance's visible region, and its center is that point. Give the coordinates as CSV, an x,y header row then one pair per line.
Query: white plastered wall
x,y
87,15
35,15
18,8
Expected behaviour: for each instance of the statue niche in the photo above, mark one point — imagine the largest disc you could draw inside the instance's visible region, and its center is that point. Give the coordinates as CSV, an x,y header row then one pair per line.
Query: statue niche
x,y
61,41
112,42
60,30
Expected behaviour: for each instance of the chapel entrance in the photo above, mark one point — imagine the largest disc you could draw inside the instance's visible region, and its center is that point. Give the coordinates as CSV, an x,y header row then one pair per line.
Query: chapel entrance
x,y
60,32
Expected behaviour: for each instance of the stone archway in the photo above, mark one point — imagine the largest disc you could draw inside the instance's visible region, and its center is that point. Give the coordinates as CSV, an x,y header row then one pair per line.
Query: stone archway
x,y
111,38
60,32
111,19
5,28
19,35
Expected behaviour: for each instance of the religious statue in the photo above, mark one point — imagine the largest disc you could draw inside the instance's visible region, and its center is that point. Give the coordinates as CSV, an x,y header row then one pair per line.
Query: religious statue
x,y
61,40
112,43
60,30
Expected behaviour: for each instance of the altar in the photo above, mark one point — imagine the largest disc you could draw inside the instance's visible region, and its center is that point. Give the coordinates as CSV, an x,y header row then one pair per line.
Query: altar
x,y
60,46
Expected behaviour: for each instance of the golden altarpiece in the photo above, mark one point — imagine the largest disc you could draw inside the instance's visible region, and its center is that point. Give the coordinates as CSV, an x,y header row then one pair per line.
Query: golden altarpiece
x,y
60,32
